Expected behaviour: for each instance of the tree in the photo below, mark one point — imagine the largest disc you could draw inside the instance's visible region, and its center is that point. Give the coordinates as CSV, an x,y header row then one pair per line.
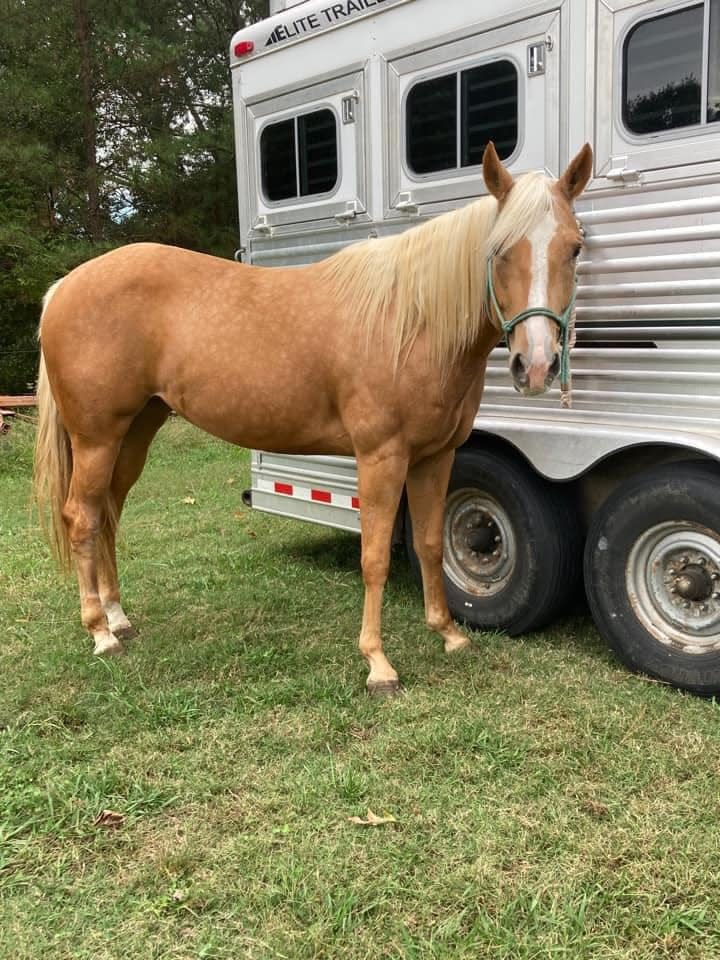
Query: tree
x,y
676,104
117,126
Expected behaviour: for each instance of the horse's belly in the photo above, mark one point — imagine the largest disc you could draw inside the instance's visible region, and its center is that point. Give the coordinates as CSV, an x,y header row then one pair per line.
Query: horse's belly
x,y
281,424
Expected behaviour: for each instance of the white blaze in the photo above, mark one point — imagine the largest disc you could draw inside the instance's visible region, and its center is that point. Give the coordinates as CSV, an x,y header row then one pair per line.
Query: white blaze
x,y
537,327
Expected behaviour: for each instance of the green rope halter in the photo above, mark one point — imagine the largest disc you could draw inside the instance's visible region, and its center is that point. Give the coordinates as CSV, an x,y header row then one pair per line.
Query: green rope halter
x,y
563,320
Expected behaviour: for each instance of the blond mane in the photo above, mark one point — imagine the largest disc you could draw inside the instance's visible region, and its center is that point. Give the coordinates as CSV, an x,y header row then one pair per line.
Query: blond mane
x,y
432,278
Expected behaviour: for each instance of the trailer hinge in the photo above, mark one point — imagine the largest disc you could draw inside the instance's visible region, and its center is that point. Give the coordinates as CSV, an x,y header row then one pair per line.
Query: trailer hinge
x,y
348,107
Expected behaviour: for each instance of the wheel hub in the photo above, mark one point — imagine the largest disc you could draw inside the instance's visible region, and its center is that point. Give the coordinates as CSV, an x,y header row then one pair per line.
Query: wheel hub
x,y
693,583
485,537
479,545
673,579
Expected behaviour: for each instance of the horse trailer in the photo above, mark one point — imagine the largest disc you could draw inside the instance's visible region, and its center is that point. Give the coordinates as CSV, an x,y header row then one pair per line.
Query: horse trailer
x,y
359,118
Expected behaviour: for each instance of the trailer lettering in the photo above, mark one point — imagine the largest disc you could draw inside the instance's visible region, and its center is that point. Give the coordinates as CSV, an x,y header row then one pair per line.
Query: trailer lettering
x,y
328,16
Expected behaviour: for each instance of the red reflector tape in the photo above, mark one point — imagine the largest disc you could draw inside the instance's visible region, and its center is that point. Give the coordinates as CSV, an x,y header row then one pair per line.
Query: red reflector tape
x,y
285,488
356,503
244,47
322,496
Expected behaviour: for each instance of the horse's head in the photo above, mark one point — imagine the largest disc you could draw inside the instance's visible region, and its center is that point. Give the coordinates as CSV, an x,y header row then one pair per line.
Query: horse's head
x,y
531,279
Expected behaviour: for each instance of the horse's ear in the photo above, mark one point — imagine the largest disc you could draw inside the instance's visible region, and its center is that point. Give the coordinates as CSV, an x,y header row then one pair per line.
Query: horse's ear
x,y
574,180
497,179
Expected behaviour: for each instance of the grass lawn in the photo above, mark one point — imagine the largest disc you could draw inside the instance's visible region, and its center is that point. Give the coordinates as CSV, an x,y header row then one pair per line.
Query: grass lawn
x,y
547,803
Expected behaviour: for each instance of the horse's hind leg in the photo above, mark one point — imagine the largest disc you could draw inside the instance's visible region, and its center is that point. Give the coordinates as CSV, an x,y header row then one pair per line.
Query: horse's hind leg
x,y
380,482
85,514
128,467
427,484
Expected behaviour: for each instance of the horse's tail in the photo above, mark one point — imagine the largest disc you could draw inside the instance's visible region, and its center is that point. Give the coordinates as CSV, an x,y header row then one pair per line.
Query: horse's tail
x,y
53,469
53,464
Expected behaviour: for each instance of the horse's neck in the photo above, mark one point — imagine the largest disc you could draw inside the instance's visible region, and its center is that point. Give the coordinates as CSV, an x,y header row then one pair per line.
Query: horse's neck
x,y
467,371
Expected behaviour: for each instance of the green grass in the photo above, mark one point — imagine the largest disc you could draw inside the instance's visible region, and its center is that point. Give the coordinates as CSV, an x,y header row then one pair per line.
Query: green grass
x,y
548,803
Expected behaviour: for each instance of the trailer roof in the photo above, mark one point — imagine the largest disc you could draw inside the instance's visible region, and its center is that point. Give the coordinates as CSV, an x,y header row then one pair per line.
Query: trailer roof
x,y
299,22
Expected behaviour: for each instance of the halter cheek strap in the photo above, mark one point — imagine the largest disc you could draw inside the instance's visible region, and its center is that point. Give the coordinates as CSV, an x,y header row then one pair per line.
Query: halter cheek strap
x,y
563,320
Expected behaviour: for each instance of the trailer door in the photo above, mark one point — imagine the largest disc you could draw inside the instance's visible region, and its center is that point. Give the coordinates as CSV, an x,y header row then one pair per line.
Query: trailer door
x,y
447,100
305,153
658,89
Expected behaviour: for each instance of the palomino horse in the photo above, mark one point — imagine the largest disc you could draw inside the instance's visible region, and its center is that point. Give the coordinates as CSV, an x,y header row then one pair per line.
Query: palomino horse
x,y
378,352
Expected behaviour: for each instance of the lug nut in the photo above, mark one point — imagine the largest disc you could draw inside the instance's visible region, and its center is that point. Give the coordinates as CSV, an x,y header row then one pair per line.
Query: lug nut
x,y
498,539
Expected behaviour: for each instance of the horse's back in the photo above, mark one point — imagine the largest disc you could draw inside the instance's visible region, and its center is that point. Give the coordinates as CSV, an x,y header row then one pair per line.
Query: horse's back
x,y
232,347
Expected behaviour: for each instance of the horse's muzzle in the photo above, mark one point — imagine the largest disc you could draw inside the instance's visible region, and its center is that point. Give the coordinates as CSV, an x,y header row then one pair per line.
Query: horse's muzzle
x,y
532,378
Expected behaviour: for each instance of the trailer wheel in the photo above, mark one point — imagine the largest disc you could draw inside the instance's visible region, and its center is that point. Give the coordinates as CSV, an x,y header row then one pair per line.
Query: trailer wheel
x,y
511,542
652,573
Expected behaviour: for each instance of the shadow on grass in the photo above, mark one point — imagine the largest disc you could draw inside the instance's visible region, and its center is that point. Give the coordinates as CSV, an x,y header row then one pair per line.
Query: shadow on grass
x,y
340,551
335,551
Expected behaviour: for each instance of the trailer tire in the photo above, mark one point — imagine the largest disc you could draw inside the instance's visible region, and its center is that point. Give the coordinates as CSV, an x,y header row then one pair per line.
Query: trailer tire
x,y
652,574
512,543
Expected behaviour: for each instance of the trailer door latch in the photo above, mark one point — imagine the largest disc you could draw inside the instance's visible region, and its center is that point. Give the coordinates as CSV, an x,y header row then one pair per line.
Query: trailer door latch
x,y
405,203
348,107
261,226
352,209
536,59
620,171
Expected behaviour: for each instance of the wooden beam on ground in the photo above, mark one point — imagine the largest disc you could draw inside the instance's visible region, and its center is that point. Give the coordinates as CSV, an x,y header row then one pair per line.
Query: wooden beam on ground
x,y
11,403
9,407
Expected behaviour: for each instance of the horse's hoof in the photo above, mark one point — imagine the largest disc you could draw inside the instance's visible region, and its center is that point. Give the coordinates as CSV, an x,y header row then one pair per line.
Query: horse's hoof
x,y
383,688
455,644
107,646
126,633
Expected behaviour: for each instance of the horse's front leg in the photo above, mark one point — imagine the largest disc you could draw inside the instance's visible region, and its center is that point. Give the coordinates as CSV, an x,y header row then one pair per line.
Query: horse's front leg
x,y
427,484
381,476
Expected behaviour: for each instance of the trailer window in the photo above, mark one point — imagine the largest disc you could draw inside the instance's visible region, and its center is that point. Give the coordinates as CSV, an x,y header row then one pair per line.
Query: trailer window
x,y
486,98
299,156
663,70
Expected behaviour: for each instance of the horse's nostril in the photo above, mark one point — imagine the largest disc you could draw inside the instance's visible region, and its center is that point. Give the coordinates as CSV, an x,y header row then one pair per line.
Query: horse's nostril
x,y
554,368
519,369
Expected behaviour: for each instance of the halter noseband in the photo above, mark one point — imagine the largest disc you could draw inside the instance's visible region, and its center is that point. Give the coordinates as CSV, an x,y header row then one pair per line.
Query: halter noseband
x,y
563,320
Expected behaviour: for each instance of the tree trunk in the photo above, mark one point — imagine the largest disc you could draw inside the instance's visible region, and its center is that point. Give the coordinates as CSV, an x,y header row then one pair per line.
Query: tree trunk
x,y
83,34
